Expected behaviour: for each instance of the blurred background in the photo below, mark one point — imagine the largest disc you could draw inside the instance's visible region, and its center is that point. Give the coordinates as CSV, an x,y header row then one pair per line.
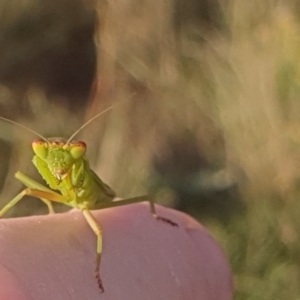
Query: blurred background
x,y
206,114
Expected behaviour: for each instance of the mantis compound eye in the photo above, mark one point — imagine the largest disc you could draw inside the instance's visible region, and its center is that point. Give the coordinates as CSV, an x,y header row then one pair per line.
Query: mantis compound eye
x,y
40,148
77,149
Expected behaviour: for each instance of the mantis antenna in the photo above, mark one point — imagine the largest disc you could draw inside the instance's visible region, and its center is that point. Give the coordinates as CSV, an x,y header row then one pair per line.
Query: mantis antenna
x,y
87,123
95,117
45,139
24,127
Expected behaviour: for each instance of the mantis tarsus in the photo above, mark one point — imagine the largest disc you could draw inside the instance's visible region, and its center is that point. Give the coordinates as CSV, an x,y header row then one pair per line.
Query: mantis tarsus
x,y
63,165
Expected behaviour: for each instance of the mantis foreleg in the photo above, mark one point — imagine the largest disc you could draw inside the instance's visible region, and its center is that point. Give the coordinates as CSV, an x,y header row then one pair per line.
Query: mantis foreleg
x,y
34,189
35,193
30,183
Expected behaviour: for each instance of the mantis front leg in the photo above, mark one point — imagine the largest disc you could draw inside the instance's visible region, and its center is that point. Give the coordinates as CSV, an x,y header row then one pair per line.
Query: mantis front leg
x,y
34,189
34,193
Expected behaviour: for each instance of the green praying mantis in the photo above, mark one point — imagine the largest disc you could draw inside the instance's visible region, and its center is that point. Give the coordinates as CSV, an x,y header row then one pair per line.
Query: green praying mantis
x,y
63,165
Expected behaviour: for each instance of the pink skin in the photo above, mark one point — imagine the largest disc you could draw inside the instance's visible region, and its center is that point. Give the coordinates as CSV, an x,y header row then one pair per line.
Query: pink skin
x,y
52,257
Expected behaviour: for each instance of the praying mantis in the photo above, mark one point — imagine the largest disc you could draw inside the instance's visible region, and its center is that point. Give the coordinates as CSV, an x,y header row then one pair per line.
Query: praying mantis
x,y
63,165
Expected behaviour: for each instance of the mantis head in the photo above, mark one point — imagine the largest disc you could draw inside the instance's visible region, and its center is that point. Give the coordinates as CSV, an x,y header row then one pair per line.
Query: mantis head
x,y
59,154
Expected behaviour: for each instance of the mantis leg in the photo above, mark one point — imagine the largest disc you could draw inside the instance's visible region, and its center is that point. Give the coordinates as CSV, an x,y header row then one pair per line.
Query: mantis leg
x,y
136,200
35,193
49,205
98,231
30,183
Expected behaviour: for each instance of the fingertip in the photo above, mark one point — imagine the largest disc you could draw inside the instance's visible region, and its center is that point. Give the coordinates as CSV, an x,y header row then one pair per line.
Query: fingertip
x,y
143,258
